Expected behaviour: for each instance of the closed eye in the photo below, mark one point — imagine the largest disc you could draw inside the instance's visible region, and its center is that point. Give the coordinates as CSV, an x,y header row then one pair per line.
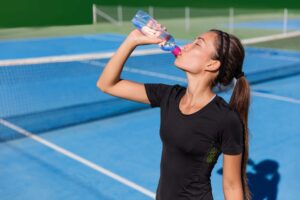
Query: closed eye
x,y
196,42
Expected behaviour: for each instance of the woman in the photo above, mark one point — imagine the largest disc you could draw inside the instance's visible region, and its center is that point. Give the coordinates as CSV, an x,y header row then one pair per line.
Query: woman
x,y
196,124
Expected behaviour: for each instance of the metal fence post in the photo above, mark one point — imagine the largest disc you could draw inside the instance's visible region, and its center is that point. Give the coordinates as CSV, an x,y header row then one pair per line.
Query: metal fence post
x,y
187,19
231,20
151,11
285,20
94,14
120,15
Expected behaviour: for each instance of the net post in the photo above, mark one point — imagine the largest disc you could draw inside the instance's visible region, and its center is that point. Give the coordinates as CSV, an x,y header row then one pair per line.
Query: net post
x,y
151,11
187,19
231,19
120,15
94,14
285,20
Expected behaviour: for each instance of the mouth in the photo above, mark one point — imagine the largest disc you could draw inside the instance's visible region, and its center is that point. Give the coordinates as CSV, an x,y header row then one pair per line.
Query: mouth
x,y
176,51
179,54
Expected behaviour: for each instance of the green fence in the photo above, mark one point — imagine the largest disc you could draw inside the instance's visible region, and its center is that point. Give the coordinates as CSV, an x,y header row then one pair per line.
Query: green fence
x,y
21,13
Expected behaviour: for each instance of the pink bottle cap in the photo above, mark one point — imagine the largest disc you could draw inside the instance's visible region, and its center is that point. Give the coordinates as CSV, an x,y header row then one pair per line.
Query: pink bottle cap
x,y
176,51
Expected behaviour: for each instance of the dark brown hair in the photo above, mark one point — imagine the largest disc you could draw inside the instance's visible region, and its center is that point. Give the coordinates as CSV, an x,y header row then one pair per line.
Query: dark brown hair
x,y
230,52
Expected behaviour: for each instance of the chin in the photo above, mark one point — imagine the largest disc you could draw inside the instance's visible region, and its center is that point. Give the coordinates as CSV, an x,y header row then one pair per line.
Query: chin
x,y
178,65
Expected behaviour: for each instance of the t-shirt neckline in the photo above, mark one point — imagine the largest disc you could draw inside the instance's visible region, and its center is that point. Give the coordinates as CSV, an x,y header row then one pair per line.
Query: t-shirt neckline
x,y
182,92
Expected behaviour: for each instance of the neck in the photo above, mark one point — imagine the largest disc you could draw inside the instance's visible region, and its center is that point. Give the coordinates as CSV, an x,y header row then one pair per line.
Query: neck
x,y
198,91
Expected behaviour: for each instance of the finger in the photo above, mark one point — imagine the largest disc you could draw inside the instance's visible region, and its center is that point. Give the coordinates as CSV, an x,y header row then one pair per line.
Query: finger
x,y
157,33
159,41
163,42
151,35
147,31
161,27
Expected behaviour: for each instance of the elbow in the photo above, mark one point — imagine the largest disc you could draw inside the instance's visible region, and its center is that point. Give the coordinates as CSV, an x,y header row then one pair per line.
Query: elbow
x,y
104,86
231,185
100,86
233,189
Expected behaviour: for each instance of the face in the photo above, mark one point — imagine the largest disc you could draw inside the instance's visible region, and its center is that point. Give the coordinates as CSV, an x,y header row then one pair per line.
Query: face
x,y
197,55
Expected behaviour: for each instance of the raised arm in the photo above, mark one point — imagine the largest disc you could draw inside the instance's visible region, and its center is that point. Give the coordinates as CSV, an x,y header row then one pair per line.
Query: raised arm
x,y
110,81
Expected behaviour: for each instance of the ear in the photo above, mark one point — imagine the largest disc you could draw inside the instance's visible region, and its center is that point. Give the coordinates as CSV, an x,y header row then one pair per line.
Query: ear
x,y
213,65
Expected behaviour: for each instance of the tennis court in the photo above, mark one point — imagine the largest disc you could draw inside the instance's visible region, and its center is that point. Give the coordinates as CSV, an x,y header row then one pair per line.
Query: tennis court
x,y
84,144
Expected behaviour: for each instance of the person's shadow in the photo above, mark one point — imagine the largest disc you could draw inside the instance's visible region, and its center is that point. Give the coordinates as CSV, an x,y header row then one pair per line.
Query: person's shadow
x,y
263,181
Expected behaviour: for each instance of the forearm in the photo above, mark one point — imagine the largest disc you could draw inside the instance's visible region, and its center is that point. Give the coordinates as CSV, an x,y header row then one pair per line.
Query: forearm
x,y
234,193
112,71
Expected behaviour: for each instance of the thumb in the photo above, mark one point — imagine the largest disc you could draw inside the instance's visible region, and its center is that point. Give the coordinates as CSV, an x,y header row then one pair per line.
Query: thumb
x,y
158,40
153,40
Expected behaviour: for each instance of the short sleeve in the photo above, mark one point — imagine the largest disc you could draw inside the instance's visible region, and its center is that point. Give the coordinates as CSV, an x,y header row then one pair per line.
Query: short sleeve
x,y
232,135
156,92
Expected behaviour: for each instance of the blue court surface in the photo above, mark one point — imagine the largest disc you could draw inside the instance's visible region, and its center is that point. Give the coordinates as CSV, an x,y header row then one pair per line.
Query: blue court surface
x,y
85,144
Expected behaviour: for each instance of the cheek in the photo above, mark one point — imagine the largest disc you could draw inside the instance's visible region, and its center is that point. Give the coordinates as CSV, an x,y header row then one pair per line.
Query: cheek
x,y
188,63
204,56
197,59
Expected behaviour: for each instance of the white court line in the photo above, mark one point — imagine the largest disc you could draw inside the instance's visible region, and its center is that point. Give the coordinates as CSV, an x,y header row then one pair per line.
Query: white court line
x,y
78,158
270,37
276,97
76,57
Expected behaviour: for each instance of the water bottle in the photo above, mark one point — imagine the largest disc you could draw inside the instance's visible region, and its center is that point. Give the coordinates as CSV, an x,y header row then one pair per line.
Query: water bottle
x,y
143,21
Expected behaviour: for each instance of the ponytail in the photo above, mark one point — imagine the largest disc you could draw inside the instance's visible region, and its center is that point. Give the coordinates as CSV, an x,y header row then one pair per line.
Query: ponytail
x,y
240,101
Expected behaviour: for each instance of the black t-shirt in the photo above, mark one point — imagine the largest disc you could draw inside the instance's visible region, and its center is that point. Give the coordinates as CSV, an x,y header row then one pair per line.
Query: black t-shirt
x,y
192,143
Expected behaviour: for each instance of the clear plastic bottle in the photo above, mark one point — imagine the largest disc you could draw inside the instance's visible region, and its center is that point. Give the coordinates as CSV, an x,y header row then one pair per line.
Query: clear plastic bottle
x,y
143,21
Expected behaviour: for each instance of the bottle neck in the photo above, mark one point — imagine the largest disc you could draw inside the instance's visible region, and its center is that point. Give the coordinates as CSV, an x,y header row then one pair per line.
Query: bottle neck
x,y
176,51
